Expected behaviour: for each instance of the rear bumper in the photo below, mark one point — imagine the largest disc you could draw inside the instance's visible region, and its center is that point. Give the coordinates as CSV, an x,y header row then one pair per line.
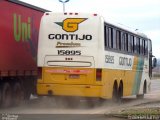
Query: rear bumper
x,y
69,90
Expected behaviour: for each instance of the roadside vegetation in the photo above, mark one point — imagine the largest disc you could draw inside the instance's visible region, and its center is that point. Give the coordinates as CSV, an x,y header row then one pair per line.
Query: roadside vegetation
x,y
137,113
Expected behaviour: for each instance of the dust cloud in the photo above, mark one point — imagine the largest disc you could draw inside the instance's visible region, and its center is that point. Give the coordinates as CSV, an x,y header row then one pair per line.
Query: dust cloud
x,y
61,105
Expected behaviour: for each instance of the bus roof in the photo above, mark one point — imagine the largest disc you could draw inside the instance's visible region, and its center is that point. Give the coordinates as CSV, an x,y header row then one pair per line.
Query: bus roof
x,y
107,21
125,28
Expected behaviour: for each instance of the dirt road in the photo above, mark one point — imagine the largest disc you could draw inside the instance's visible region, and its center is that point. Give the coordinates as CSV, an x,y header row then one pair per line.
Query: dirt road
x,y
47,106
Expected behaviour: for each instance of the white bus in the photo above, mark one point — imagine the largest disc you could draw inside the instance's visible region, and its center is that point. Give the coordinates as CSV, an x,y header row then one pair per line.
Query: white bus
x,y
82,55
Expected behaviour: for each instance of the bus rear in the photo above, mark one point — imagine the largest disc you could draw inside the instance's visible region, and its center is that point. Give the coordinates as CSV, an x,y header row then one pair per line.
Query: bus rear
x,y
67,55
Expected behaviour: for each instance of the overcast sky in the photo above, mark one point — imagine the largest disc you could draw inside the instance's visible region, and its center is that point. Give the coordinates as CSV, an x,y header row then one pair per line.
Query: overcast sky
x,y
143,15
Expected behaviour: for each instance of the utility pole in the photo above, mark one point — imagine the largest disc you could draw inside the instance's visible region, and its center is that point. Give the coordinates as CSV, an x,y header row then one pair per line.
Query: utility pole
x,y
63,2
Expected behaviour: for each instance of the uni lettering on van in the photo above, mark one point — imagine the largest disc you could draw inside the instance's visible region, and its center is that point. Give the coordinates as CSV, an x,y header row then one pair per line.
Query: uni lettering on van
x,y
22,30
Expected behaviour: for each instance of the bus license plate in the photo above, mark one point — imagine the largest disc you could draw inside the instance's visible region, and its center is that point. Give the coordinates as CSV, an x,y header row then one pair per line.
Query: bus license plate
x,y
73,76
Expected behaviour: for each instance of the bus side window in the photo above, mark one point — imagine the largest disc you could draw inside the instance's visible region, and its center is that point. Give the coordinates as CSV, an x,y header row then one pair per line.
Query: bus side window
x,y
122,41
149,46
106,40
141,46
125,41
135,45
132,43
129,43
118,39
138,45
146,47
114,39
110,37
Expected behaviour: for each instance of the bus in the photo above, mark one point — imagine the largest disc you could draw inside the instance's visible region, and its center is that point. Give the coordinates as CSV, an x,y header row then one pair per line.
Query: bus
x,y
82,55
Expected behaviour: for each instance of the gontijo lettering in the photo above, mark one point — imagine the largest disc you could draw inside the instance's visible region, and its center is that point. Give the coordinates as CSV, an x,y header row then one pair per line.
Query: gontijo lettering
x,y
124,61
70,25
69,37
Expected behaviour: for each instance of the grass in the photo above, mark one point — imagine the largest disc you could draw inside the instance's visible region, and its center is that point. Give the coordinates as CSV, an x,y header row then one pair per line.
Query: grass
x,y
141,111
136,112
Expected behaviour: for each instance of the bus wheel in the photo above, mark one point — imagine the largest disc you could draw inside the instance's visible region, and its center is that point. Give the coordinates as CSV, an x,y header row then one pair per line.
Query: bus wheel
x,y
141,96
120,92
115,93
6,95
18,94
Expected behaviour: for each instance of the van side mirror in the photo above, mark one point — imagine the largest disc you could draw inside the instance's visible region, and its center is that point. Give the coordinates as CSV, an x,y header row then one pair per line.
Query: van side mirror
x,y
154,63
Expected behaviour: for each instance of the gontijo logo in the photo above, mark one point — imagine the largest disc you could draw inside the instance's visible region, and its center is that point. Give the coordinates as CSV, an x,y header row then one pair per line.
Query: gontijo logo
x,y
71,24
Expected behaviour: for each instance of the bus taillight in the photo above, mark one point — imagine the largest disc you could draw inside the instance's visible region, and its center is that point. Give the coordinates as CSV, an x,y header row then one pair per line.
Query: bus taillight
x,y
39,72
98,74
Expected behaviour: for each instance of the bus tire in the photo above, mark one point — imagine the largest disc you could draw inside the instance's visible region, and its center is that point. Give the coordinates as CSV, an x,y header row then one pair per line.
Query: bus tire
x,y
115,92
141,96
120,92
18,94
6,95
